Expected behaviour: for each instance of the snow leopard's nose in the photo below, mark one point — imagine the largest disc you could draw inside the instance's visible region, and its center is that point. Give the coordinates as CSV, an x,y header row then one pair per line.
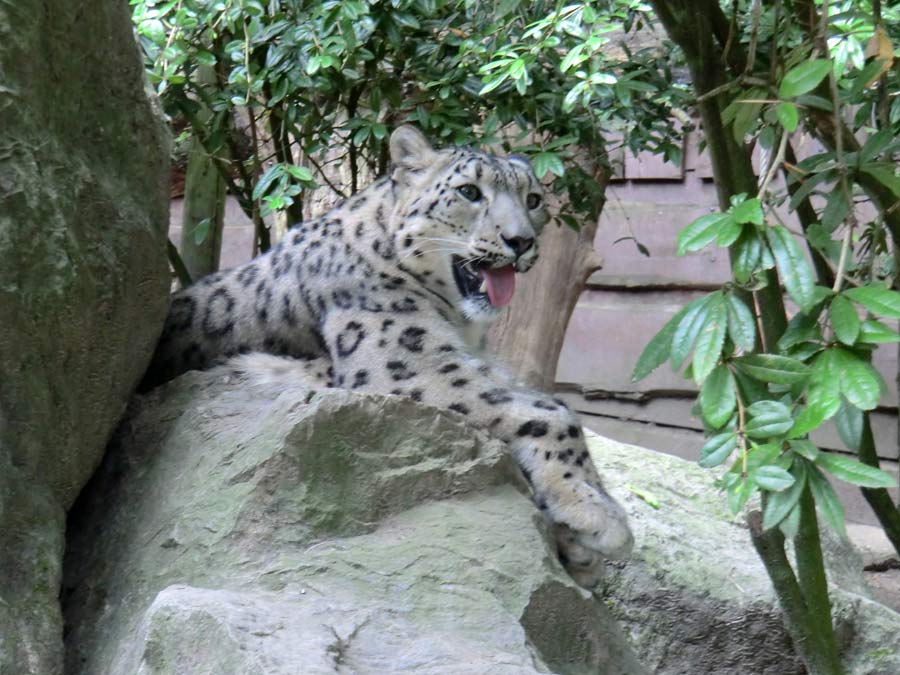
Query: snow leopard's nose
x,y
518,244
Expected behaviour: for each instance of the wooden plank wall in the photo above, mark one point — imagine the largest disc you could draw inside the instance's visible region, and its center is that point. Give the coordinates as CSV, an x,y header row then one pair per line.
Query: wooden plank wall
x,y
633,296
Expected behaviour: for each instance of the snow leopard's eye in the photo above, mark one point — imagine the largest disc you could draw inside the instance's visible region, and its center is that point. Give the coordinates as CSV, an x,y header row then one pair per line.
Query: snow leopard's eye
x,y
533,201
470,192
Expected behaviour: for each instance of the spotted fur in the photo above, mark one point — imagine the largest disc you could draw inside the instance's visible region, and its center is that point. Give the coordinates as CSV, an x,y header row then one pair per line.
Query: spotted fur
x,y
365,297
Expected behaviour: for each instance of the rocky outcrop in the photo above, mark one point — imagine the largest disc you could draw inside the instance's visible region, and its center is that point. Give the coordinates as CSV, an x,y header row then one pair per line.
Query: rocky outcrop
x,y
290,532
695,597
234,530
83,283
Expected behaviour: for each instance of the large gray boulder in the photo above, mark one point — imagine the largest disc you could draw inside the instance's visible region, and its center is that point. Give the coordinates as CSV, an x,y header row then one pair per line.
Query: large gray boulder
x,y
240,532
695,598
243,529
83,283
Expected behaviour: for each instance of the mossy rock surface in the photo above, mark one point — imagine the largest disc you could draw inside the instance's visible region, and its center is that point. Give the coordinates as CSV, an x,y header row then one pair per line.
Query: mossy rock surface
x,y
83,283
285,532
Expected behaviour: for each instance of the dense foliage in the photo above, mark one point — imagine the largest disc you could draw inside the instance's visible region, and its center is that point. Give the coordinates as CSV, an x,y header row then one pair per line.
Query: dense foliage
x,y
764,72
760,399
300,87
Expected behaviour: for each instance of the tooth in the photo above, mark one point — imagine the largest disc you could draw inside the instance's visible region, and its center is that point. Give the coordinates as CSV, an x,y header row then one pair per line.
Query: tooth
x,y
483,287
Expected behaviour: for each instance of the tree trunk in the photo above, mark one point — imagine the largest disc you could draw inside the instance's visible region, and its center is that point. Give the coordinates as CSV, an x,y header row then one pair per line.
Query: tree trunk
x,y
204,204
529,337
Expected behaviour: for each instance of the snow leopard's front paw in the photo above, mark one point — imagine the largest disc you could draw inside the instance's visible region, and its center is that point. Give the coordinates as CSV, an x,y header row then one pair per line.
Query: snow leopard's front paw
x,y
589,523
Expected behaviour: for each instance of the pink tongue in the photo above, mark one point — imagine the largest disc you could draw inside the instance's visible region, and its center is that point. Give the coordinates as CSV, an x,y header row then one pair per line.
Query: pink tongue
x,y
501,284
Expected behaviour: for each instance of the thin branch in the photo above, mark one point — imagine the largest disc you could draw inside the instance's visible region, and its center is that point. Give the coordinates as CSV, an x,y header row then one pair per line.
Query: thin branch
x,y
774,165
846,244
755,11
335,188
181,271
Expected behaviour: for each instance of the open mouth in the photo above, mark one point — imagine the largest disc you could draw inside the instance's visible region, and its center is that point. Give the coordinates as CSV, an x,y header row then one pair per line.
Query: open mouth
x,y
497,284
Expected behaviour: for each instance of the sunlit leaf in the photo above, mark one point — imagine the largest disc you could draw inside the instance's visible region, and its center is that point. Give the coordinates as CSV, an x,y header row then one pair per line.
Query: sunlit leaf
x,y
772,478
875,332
688,329
844,320
803,78
659,348
779,504
702,232
773,368
793,268
741,323
827,500
880,301
717,397
788,116
708,347
717,449
855,472
768,419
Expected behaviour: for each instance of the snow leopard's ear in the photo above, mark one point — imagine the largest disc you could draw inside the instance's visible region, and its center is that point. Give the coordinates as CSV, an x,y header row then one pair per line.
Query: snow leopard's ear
x,y
410,149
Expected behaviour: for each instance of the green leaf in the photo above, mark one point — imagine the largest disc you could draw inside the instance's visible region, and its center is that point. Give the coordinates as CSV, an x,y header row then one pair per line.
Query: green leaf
x,y
808,185
361,135
880,301
788,116
768,419
826,499
803,78
761,455
860,383
741,324
651,499
688,328
265,181
717,449
746,255
813,101
660,346
865,76
844,320
884,175
749,211
301,173
791,523
702,232
875,145
574,57
201,230
739,493
849,422
708,348
811,417
805,449
772,478
717,397
823,395
792,266
835,211
747,115
779,504
773,368
729,233
205,58
406,19
851,471
875,332
801,328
